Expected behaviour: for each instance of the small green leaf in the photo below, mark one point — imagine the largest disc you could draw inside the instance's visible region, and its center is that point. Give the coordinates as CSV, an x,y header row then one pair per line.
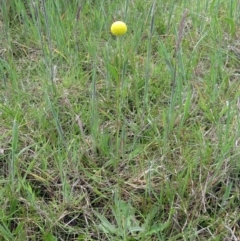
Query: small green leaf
x,y
49,237
231,22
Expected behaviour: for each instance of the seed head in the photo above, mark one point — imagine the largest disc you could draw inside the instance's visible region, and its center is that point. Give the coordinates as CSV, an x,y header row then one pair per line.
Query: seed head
x,y
118,28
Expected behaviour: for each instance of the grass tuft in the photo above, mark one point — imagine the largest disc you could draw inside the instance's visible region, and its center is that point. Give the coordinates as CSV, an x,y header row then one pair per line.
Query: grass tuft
x,y
131,138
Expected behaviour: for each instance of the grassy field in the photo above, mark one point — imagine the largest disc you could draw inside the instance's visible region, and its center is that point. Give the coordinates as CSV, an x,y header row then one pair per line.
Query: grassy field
x,y
120,138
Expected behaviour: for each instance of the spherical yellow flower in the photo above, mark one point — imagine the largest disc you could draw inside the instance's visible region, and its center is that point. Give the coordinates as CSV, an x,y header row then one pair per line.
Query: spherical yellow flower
x,y
118,28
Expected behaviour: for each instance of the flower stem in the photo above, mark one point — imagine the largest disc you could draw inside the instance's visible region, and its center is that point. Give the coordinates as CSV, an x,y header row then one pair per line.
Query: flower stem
x,y
119,97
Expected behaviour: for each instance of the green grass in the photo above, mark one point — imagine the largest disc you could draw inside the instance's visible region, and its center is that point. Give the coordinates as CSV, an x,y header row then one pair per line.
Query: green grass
x,y
130,138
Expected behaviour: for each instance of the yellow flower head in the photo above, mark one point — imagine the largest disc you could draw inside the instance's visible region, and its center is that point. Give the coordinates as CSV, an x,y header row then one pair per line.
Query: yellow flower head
x,y
118,28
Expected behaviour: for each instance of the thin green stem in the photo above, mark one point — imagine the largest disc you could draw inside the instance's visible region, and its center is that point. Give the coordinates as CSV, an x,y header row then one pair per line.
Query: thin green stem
x,y
119,96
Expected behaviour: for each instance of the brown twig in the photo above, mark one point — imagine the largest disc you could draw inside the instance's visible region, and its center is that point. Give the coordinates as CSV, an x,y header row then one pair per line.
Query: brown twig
x,y
174,81
180,32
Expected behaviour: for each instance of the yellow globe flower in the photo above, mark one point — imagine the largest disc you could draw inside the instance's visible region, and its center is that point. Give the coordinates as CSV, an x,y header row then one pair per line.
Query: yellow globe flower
x,y
118,28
